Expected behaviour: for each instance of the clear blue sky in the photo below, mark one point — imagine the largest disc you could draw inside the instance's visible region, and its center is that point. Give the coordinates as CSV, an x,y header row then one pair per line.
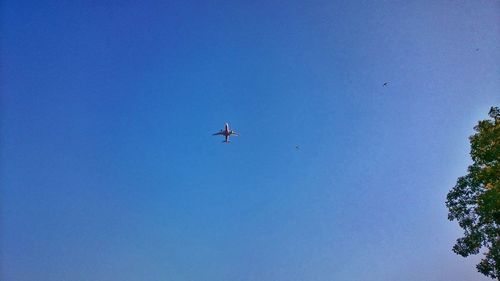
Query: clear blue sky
x,y
109,170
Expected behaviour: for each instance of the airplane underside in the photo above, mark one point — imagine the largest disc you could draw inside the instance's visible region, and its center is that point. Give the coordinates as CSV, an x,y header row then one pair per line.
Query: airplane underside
x,y
226,132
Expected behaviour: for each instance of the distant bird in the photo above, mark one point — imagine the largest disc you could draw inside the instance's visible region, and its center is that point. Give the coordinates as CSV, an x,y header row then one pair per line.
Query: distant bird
x,y
297,147
385,84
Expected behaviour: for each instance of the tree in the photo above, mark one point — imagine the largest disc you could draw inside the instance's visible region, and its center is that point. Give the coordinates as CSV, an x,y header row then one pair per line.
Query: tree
x,y
475,200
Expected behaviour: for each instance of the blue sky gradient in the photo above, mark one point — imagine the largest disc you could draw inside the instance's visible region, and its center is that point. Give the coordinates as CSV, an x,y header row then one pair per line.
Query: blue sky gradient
x,y
109,170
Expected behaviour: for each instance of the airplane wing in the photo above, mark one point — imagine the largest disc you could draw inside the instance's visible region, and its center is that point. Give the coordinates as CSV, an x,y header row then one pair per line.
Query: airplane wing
x,y
233,133
218,133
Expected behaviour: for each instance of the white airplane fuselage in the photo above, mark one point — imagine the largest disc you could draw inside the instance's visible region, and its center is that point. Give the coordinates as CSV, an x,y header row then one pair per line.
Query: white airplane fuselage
x,y
227,132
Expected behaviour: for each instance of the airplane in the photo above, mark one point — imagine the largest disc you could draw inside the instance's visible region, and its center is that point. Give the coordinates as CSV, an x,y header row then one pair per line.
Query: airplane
x,y
226,132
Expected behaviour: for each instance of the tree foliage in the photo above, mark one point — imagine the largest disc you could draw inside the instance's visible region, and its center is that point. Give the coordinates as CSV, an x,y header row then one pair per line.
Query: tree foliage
x,y
475,200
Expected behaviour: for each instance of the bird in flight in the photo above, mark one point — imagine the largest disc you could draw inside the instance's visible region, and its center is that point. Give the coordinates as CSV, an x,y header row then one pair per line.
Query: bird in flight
x,y
226,132
385,84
